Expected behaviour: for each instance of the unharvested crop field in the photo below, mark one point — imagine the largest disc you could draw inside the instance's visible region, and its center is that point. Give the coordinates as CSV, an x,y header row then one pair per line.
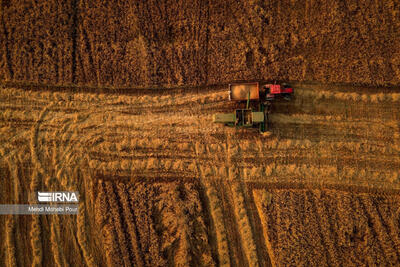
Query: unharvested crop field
x,y
165,42
160,184
114,99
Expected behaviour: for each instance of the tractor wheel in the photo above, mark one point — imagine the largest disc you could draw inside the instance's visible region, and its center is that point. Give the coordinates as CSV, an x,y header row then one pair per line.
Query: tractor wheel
x,y
267,107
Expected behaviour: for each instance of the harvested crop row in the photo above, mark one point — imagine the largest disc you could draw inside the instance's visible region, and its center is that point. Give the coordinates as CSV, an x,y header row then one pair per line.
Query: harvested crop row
x,y
108,231
218,221
246,232
57,250
82,236
261,199
10,241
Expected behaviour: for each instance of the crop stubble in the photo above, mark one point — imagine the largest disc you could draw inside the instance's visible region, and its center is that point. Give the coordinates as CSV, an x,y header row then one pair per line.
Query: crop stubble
x,y
149,163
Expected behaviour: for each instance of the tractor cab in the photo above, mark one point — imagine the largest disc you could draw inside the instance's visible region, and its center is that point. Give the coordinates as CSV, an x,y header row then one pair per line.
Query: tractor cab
x,y
272,91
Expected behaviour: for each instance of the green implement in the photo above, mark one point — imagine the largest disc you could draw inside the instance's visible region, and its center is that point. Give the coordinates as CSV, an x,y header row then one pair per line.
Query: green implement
x,y
224,118
245,118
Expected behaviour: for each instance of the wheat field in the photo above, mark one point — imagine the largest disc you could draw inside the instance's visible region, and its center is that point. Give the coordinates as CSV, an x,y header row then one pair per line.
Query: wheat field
x,y
160,184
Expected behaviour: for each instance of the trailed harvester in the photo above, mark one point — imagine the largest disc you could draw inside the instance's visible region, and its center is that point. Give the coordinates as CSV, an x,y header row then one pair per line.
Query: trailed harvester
x,y
247,117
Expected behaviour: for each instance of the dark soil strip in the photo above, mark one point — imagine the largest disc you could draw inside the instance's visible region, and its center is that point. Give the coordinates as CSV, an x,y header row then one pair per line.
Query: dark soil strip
x,y
74,34
236,250
89,52
8,55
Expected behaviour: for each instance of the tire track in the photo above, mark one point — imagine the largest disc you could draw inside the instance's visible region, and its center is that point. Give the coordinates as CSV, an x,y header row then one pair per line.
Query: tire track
x,y
256,226
213,204
82,238
11,250
36,231
245,229
57,250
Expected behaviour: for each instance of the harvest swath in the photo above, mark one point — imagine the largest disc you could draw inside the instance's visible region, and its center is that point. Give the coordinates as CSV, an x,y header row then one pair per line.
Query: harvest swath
x,y
160,184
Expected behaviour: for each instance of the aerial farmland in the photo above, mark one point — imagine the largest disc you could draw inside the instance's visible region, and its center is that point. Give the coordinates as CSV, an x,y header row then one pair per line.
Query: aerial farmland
x,y
117,101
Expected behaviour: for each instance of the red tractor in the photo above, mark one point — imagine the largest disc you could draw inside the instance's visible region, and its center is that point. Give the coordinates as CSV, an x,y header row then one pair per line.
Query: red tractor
x,y
272,91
